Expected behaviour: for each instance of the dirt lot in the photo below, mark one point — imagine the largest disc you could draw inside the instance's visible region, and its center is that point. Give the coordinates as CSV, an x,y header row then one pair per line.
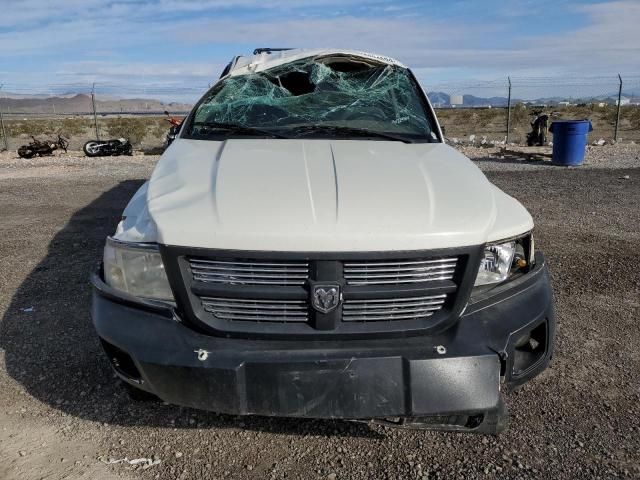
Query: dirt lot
x,y
62,415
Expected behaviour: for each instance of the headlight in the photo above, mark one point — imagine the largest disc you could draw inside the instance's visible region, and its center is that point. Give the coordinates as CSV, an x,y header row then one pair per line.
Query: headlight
x,y
136,269
506,258
496,263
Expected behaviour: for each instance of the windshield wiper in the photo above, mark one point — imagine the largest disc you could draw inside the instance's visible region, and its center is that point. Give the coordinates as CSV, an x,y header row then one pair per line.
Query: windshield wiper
x,y
348,130
237,128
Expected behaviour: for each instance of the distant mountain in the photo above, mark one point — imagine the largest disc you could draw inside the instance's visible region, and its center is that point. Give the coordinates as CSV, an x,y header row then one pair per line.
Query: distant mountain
x,y
441,99
473,101
13,95
81,103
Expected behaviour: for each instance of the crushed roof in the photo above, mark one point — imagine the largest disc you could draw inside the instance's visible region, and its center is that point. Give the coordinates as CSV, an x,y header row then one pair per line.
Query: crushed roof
x,y
264,61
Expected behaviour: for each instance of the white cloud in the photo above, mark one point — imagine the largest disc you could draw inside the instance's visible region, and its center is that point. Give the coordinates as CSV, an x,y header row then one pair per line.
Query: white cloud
x,y
94,37
610,41
32,13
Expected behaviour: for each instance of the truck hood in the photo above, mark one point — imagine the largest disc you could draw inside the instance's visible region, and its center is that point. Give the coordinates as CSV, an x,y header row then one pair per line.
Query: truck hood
x,y
323,195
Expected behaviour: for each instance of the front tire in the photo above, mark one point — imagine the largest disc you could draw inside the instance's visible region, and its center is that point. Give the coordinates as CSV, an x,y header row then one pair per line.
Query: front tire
x,y
92,148
26,152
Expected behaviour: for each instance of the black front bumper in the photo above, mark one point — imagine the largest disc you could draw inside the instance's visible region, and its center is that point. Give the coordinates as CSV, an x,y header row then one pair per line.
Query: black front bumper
x,y
453,373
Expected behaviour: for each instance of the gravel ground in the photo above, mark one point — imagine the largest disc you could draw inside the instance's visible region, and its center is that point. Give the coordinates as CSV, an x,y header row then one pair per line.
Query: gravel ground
x,y
626,155
62,414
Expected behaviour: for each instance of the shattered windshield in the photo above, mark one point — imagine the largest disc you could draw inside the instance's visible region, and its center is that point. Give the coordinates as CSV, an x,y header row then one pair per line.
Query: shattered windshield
x,y
328,96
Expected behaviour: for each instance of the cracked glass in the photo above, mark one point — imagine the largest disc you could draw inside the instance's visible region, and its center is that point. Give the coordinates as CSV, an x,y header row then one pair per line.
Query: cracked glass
x,y
345,92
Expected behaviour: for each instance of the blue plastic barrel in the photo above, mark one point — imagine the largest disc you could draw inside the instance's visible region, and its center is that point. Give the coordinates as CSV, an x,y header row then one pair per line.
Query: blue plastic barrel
x,y
569,141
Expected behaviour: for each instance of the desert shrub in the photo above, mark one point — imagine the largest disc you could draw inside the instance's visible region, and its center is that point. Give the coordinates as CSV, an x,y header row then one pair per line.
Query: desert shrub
x,y
633,114
17,128
70,127
132,128
159,128
30,127
575,112
520,115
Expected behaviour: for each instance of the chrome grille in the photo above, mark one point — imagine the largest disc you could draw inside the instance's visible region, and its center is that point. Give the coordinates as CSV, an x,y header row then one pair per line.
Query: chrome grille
x,y
397,272
282,311
252,272
406,308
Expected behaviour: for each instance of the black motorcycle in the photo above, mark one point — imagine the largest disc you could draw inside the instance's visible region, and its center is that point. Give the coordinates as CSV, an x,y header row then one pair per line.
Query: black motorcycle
x,y
539,129
104,148
39,148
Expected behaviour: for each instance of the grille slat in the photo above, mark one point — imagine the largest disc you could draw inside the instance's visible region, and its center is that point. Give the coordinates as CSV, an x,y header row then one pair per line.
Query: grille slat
x,y
393,264
246,269
402,300
395,281
243,263
403,269
351,306
252,282
378,274
373,318
389,273
267,276
282,311
249,272
392,309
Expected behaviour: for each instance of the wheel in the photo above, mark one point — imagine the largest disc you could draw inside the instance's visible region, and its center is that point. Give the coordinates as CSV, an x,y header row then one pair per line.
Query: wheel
x,y
92,148
543,138
129,150
138,395
26,152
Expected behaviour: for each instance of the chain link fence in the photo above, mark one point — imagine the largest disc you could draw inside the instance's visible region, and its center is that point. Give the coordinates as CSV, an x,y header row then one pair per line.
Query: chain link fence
x,y
488,111
500,111
81,112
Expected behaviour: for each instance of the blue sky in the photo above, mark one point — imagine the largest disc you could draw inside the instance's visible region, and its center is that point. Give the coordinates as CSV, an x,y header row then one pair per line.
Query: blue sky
x,y
153,45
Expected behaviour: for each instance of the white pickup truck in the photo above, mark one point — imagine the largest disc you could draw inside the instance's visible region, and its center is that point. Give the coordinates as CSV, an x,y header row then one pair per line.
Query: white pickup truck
x,y
309,246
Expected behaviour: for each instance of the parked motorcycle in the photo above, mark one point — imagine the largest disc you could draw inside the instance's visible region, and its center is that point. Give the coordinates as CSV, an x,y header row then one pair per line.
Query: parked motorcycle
x,y
42,148
174,130
104,148
539,129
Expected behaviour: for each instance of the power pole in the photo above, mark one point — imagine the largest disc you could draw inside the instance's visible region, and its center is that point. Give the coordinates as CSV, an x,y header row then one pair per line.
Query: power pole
x,y
4,133
508,113
615,137
93,104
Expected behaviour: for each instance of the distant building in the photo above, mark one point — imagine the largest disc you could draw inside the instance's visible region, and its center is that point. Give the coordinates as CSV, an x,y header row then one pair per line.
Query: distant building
x,y
624,101
456,100
564,104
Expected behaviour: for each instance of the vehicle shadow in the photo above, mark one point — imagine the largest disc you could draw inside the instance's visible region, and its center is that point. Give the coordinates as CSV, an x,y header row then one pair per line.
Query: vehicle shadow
x,y
51,348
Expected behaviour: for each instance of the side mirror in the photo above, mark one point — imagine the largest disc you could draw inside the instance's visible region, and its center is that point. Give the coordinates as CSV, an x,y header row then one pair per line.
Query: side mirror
x,y
444,130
